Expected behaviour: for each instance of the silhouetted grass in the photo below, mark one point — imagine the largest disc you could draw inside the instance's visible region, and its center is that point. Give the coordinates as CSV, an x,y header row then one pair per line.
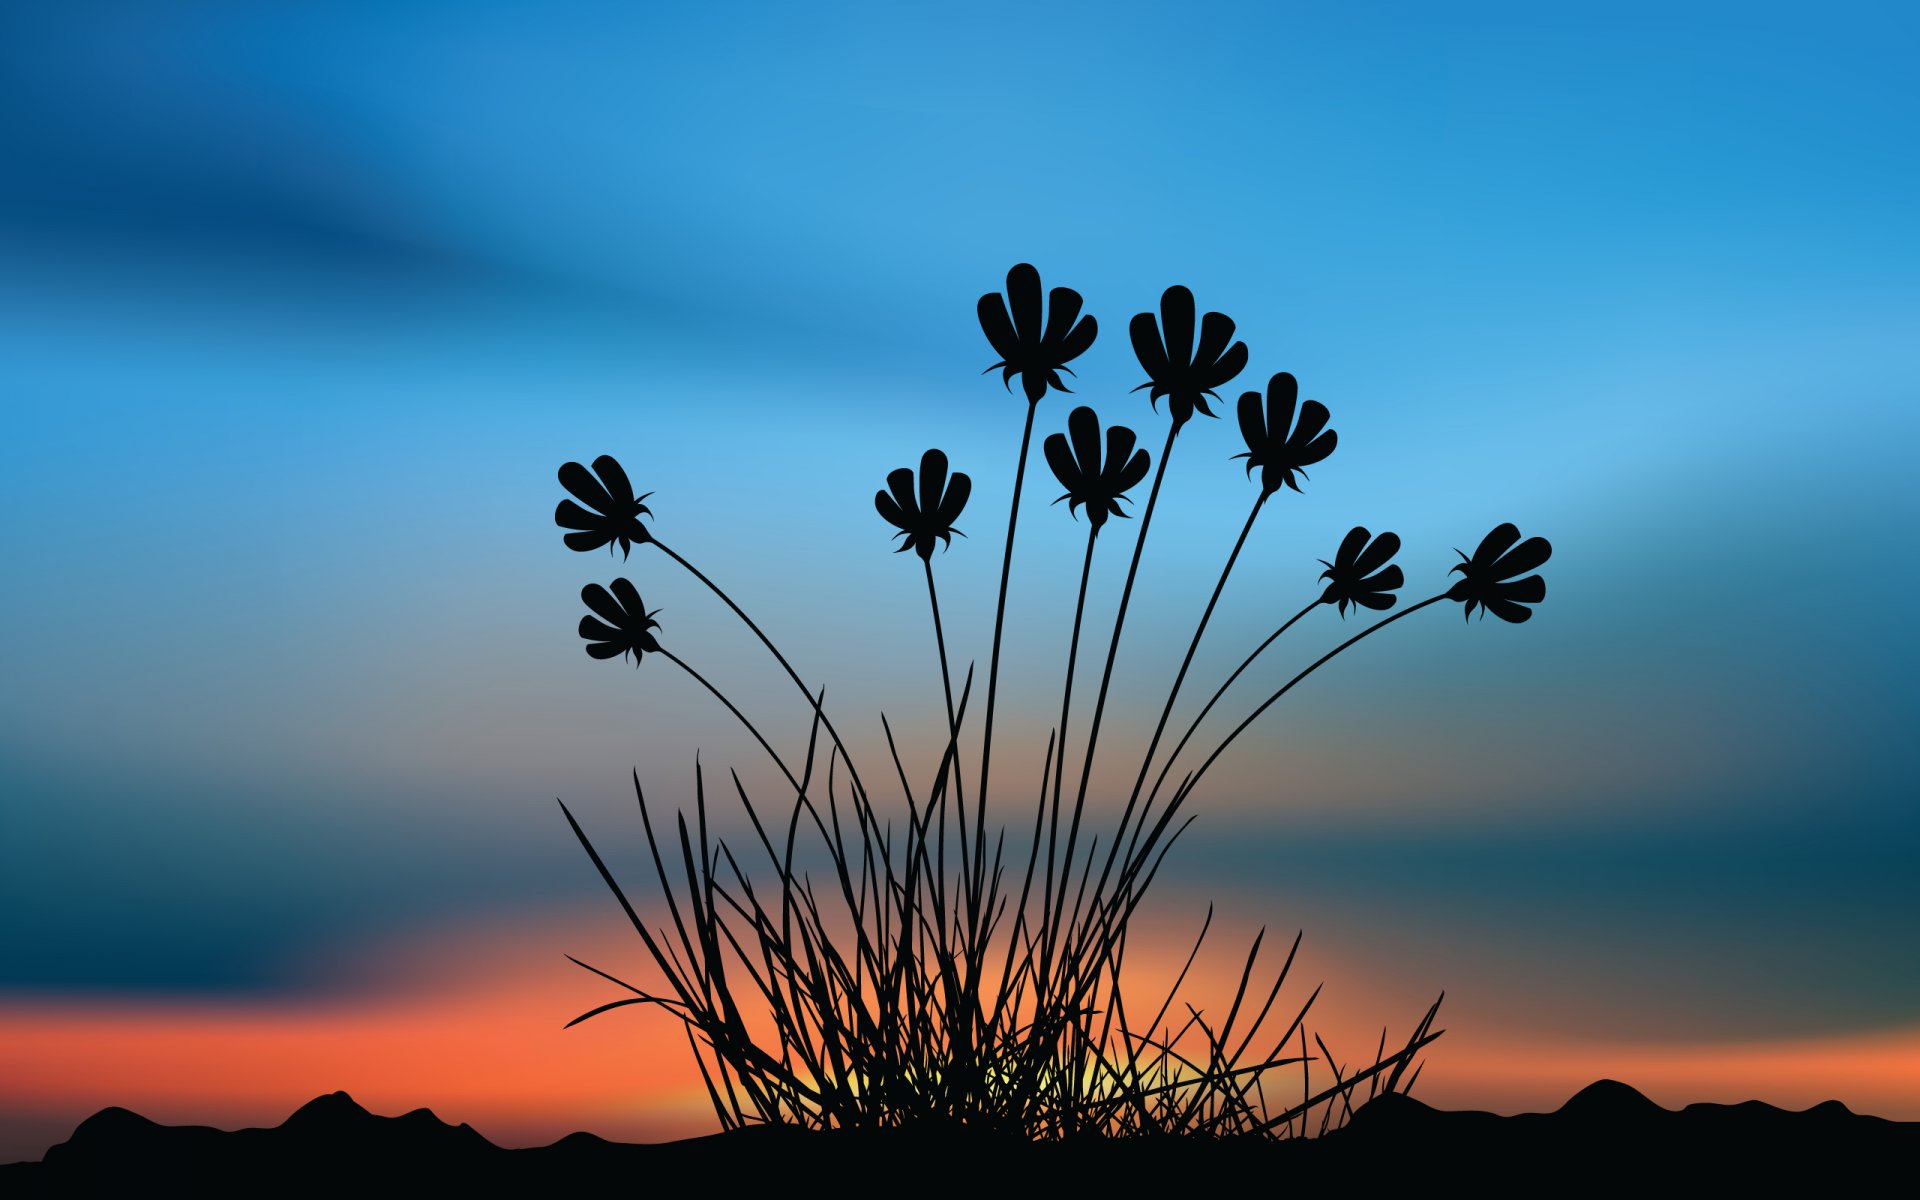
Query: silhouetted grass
x,y
912,982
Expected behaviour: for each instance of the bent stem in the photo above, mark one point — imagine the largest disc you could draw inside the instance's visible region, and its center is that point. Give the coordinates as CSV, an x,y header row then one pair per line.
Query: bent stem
x,y
704,682
1060,760
993,668
1195,726
1180,677
859,786
1106,674
1186,788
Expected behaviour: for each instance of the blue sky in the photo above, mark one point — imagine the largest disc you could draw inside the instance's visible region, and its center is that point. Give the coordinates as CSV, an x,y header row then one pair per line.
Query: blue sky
x,y
301,306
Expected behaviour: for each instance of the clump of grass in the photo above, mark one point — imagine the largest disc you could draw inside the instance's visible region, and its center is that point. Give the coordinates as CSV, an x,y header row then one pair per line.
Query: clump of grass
x,y
925,976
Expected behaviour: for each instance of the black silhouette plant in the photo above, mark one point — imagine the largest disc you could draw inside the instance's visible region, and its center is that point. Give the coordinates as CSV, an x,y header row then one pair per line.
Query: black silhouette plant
x,y
612,512
1090,480
1355,576
1035,351
1185,374
929,518
624,625
1275,444
1487,579
880,986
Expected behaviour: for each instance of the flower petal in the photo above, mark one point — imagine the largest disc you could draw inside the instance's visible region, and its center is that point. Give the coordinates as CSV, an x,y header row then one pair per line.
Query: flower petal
x,y
580,481
958,489
1023,299
600,601
619,488
933,481
1523,558
998,328
587,540
1076,343
1231,364
1375,556
1063,308
629,598
1253,427
598,631
1084,428
1061,460
1531,590
571,516
1148,349
1495,544
1176,325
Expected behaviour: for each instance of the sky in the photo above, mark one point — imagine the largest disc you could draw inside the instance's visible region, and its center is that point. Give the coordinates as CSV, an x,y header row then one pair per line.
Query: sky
x,y
301,306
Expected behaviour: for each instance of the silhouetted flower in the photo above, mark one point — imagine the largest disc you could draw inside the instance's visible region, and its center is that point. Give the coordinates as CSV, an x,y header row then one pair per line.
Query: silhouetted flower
x,y
1489,575
612,513
1089,481
932,515
625,626
1270,446
1035,352
1186,376
1354,576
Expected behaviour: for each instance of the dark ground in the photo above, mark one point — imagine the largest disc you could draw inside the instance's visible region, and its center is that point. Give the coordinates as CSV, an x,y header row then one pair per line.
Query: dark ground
x,y
1607,1137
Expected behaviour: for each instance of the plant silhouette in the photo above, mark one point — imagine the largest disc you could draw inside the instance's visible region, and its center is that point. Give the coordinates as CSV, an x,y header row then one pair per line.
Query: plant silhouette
x,y
612,513
910,982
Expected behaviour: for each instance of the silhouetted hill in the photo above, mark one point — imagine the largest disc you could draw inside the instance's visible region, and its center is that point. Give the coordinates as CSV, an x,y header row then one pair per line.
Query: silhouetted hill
x,y
1607,1135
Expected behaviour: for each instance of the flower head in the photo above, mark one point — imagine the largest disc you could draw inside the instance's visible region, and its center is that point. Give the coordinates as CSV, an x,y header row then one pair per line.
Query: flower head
x,y
1186,376
1355,576
921,521
1036,352
1488,577
612,512
1274,443
625,626
1090,481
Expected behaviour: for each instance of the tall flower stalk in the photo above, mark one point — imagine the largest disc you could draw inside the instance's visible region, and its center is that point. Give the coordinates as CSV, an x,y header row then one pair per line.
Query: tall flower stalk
x,y
1037,352
1186,375
871,1005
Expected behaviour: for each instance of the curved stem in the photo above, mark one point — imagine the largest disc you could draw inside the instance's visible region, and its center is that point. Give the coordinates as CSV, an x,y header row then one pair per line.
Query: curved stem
x,y
1193,781
778,657
1113,648
1186,663
951,757
1060,757
702,680
993,665
1218,692
940,641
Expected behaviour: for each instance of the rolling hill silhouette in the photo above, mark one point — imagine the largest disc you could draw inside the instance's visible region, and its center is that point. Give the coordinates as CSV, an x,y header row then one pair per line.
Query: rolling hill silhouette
x,y
1607,1134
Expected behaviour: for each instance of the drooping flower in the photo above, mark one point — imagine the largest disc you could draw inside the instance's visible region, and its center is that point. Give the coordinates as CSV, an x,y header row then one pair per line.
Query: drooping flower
x,y
624,625
612,512
929,517
1488,577
1037,352
1089,480
1176,369
1275,444
1355,576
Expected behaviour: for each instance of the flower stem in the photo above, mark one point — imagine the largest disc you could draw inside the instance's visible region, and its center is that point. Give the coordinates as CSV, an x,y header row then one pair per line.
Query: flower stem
x,y
778,657
1193,781
1186,663
1106,674
993,669
702,680
1060,758
1219,692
